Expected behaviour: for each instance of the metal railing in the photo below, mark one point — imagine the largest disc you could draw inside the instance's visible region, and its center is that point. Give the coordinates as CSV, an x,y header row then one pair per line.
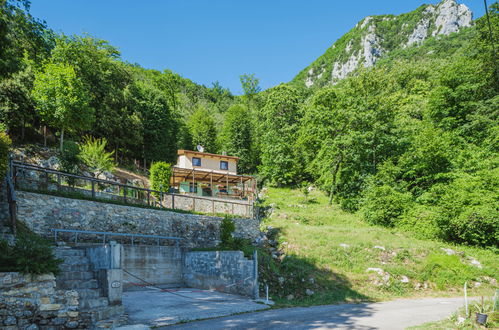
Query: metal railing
x,y
106,234
11,197
58,181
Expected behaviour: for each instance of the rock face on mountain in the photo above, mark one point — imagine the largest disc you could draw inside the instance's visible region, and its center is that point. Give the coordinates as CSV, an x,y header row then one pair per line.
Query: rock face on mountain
x,y
375,36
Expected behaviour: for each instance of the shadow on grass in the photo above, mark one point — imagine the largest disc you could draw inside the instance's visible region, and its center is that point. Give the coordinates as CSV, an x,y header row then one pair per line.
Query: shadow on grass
x,y
297,281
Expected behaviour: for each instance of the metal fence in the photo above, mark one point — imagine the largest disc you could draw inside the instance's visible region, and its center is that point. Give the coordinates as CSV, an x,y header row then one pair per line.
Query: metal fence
x,y
40,179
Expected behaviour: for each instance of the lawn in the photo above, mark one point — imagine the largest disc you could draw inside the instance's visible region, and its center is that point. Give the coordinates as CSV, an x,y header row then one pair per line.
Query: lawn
x,y
327,253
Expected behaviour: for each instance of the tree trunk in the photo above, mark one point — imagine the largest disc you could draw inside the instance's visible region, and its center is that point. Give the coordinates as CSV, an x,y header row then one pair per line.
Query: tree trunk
x,y
23,128
62,138
333,185
44,135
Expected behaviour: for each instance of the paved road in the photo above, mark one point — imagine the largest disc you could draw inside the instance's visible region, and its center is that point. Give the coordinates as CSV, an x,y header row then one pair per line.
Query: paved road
x,y
397,314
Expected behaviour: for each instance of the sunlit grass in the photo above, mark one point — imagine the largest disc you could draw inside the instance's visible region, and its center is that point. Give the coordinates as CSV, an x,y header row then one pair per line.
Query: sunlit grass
x,y
314,231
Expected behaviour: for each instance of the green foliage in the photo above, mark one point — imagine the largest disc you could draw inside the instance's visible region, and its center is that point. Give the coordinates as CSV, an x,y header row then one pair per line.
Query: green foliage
x,y
203,131
280,164
384,205
62,99
160,176
30,254
236,137
69,157
93,154
5,143
447,270
227,228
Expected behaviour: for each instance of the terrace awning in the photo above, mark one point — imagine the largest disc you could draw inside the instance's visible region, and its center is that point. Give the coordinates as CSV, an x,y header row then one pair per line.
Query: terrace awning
x,y
205,176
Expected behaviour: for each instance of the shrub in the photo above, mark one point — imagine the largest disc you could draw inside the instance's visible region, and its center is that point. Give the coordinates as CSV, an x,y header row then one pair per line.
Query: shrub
x,y
69,156
5,143
160,176
31,254
468,209
93,153
383,205
228,241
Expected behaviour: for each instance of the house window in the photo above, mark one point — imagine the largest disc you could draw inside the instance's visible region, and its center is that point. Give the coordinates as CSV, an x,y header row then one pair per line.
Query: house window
x,y
193,187
224,165
196,161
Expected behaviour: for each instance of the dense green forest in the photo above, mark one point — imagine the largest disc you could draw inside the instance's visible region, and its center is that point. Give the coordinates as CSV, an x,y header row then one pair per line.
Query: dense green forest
x,y
411,142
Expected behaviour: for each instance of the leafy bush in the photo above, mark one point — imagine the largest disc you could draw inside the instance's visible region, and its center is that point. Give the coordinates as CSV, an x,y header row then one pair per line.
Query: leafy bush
x,y
383,205
227,228
69,156
5,143
160,176
468,209
93,153
31,254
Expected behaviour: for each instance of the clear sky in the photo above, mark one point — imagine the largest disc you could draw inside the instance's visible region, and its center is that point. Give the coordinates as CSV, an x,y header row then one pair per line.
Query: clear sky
x,y
218,40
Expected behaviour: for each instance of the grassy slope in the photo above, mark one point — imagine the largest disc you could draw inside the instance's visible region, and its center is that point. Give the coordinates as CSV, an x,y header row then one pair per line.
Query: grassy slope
x,y
311,234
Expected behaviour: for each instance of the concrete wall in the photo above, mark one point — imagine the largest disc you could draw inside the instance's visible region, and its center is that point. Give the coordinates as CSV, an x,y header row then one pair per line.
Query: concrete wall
x,y
207,163
158,265
32,301
226,271
43,212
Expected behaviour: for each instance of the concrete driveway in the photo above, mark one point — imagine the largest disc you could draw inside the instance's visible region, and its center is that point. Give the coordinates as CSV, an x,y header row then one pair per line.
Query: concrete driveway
x,y
398,314
158,308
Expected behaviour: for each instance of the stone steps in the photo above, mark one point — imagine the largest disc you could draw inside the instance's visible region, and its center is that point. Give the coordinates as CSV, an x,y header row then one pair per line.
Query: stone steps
x,y
88,293
92,303
71,275
74,267
105,313
78,284
76,274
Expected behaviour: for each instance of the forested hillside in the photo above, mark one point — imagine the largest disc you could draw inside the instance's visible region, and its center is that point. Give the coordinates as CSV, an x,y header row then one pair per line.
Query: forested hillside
x,y
411,141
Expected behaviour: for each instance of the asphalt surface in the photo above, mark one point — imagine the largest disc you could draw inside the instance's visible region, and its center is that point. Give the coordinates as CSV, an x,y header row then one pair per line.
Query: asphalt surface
x,y
398,314
158,308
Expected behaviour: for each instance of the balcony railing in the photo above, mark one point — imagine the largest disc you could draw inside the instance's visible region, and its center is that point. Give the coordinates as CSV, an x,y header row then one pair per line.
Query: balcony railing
x,y
40,179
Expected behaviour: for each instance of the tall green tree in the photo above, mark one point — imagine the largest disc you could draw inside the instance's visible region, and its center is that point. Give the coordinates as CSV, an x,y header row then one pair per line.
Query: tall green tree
x,y
203,130
281,112
62,99
236,137
159,126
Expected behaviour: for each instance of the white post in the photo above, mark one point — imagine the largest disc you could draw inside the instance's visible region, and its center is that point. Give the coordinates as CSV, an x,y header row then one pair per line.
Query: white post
x,y
466,298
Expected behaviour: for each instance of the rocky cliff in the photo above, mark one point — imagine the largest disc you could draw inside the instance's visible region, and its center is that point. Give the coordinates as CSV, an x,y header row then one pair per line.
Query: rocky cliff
x,y
376,36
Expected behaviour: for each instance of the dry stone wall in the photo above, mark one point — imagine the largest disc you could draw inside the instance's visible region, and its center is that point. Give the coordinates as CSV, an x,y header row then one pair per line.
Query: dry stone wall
x,y
42,212
32,302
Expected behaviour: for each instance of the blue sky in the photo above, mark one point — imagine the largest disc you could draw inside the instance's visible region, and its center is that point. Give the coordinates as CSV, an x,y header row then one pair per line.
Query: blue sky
x,y
218,40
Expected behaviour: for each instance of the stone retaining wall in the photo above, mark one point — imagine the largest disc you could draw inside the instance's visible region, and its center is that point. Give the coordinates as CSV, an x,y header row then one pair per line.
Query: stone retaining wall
x,y
32,302
226,271
43,212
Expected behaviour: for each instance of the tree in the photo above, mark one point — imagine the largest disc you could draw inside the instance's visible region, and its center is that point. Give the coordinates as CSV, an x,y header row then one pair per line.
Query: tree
x,y
251,88
159,126
93,153
280,164
62,99
160,176
236,137
203,130
17,107
5,143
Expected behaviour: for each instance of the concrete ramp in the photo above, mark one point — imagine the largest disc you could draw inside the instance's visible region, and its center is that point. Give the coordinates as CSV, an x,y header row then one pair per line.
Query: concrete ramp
x,y
165,307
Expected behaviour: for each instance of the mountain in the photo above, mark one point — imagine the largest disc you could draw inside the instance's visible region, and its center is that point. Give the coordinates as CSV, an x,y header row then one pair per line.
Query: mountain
x,y
375,37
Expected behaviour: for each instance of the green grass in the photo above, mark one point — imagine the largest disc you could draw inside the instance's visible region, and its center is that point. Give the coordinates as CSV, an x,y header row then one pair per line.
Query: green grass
x,y
459,321
310,234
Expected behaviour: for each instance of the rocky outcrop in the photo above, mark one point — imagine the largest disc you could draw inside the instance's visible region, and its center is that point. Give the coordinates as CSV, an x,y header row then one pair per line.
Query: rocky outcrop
x,y
365,47
451,17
